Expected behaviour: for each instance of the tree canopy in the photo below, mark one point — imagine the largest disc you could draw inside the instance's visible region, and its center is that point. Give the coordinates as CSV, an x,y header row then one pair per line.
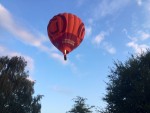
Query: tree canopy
x,y
80,106
16,90
128,89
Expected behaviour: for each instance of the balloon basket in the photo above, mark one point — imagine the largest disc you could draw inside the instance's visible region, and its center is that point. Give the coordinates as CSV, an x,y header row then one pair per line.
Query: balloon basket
x,y
65,57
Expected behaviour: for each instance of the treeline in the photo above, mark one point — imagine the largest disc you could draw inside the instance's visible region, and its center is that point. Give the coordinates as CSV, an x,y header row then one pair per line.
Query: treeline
x,y
128,88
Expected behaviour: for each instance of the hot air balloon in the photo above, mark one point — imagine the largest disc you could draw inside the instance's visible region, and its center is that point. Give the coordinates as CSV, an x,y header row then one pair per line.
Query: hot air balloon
x,y
66,32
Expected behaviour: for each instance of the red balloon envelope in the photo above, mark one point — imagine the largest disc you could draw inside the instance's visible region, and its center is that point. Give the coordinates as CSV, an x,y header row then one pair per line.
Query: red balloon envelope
x,y
66,32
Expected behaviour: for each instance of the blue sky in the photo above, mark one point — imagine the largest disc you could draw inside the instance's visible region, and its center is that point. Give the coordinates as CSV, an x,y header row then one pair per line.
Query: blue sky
x,y
114,30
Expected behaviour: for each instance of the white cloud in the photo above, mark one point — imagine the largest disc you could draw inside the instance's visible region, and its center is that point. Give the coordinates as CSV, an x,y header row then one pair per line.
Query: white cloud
x,y
79,56
147,4
139,2
88,31
109,48
99,38
59,57
7,22
2,50
90,21
131,38
135,40
141,35
144,35
145,7
139,40
138,48
107,7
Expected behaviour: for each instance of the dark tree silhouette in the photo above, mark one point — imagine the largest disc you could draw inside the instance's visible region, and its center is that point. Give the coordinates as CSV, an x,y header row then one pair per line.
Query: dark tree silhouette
x,y
16,90
128,89
80,106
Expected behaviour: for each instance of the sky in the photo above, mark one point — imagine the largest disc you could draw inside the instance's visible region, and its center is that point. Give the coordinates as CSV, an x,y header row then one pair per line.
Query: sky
x,y
114,29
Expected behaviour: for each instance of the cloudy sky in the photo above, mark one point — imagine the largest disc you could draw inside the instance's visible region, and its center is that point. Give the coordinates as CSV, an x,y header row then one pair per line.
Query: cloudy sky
x,y
115,29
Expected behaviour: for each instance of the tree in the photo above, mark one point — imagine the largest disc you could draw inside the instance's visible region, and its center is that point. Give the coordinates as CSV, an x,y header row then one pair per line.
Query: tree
x,y
16,90
80,106
128,89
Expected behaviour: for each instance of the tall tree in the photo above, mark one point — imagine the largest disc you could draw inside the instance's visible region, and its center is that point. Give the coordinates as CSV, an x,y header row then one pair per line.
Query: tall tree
x,y
128,89
16,90
80,106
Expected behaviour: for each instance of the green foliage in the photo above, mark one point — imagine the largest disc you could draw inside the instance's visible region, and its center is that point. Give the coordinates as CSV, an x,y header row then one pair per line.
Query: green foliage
x,y
128,90
80,106
16,89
